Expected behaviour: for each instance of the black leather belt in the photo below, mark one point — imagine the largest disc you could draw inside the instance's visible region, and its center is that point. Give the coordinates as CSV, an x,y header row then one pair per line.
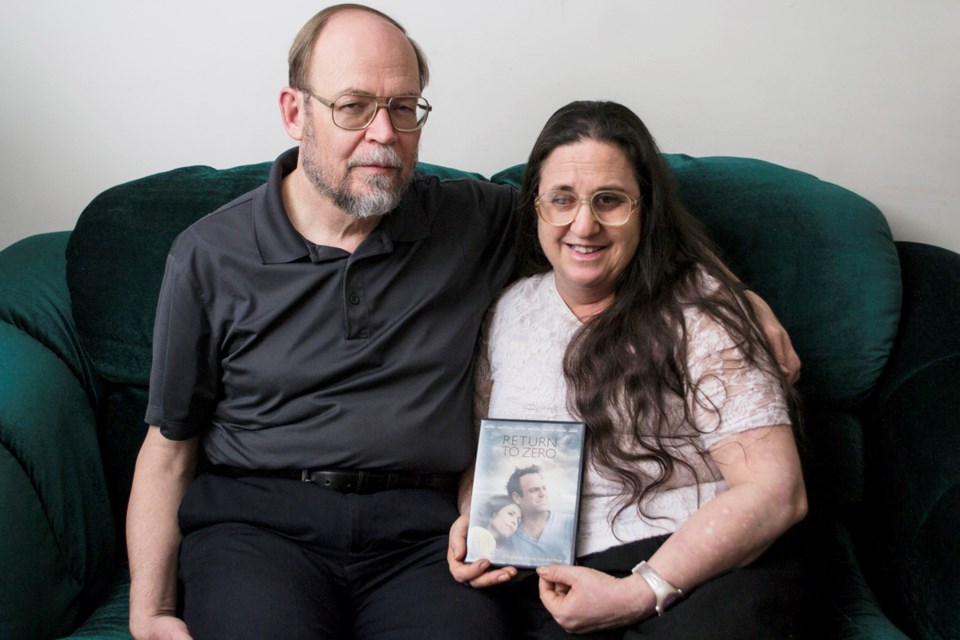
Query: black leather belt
x,y
350,481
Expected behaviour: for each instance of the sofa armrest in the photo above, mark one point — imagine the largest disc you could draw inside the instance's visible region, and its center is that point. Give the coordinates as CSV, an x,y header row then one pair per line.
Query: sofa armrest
x,y
913,454
851,609
57,540
34,298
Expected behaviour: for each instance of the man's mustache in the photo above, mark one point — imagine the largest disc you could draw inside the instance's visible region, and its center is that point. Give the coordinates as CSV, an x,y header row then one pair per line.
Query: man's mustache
x,y
382,156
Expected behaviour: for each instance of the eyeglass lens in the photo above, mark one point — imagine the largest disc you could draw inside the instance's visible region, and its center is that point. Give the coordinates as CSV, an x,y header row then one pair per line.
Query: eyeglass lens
x,y
609,207
356,112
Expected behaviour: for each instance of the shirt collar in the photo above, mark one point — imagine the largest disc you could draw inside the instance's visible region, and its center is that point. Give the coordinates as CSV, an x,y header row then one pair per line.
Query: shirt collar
x,y
278,242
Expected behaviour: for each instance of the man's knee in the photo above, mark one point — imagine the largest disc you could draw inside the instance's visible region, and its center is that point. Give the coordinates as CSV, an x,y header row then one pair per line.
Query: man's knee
x,y
242,582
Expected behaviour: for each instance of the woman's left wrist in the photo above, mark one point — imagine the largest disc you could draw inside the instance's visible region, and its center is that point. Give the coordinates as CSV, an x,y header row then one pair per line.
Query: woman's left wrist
x,y
641,597
664,593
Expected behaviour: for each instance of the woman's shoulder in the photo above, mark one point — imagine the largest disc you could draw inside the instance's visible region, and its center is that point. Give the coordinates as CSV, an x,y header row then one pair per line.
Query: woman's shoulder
x,y
524,297
525,289
704,331
705,284
528,318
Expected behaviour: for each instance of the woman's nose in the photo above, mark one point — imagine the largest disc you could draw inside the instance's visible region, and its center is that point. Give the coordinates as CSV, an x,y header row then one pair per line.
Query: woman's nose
x,y
584,224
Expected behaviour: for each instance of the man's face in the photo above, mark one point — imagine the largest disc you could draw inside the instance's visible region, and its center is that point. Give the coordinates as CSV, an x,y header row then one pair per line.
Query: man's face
x,y
364,173
533,494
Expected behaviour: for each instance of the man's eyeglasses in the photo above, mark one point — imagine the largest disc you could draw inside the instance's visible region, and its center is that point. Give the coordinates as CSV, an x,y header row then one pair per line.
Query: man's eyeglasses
x,y
609,208
355,112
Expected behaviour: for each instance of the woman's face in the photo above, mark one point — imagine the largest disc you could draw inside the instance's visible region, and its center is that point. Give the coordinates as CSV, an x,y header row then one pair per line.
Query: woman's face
x,y
504,522
588,257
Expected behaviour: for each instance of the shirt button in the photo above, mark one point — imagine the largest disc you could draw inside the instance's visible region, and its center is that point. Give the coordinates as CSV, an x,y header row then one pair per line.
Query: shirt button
x,y
354,298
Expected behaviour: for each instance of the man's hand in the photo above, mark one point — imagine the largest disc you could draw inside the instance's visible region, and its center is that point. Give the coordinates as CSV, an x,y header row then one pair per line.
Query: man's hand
x,y
582,600
787,358
476,574
162,627
164,469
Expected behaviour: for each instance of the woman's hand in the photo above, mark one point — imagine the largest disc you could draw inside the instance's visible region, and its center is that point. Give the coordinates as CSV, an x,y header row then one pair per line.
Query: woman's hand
x,y
476,574
582,600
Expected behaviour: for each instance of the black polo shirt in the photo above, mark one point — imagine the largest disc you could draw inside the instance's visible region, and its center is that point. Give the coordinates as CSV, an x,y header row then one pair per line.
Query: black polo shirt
x,y
284,354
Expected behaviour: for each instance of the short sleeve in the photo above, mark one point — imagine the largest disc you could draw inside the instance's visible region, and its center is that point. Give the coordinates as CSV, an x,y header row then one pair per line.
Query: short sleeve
x,y
733,395
185,372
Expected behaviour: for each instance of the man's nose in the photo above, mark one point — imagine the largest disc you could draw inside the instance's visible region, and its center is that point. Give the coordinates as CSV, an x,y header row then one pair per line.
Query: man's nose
x,y
381,129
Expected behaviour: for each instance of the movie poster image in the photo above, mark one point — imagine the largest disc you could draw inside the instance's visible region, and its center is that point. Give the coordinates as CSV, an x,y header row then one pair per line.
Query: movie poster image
x,y
526,493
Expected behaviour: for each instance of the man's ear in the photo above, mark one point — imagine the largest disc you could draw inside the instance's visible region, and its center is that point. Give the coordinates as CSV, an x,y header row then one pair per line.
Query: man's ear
x,y
292,112
515,496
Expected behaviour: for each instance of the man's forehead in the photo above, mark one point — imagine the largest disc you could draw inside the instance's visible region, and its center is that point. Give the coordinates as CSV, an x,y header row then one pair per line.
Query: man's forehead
x,y
360,51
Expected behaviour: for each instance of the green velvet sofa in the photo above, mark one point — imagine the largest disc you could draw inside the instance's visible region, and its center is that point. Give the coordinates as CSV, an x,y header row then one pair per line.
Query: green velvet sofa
x,y
876,322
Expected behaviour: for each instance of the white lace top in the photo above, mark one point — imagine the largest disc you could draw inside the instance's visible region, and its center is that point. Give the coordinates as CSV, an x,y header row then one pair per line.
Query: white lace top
x,y
526,338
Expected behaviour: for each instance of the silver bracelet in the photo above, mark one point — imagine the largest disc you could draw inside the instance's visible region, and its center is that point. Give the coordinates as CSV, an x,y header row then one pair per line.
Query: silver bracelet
x,y
666,593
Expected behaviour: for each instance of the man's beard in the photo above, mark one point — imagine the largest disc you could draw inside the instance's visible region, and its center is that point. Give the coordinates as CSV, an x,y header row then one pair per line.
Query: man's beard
x,y
381,197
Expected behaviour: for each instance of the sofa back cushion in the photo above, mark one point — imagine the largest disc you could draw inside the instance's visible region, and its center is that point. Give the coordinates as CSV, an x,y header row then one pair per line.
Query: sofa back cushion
x,y
820,255
117,251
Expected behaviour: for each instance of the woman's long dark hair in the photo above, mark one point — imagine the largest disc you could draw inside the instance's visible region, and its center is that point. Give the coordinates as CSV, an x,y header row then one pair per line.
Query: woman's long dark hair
x,y
625,364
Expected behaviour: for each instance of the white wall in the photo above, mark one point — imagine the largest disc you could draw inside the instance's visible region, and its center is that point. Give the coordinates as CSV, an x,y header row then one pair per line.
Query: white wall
x,y
863,93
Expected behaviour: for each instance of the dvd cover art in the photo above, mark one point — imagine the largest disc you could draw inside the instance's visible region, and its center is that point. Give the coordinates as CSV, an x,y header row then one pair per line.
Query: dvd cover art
x,y
526,493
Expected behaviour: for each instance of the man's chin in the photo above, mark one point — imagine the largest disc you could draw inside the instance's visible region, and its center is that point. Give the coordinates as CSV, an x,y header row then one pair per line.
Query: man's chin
x,y
393,183
371,204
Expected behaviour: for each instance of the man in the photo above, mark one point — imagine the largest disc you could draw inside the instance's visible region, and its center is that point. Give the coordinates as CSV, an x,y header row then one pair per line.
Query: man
x,y
302,333
315,347
543,533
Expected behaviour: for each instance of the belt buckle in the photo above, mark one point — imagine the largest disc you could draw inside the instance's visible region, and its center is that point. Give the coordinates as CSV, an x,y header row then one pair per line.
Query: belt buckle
x,y
305,475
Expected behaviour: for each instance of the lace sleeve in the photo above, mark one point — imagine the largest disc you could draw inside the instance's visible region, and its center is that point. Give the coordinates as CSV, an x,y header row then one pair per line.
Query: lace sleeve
x,y
733,395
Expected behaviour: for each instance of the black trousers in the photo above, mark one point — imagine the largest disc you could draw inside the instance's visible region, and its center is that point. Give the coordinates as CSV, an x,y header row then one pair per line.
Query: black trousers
x,y
276,558
774,598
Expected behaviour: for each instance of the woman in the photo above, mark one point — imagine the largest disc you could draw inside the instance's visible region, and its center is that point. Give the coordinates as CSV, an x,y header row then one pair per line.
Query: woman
x,y
627,321
498,519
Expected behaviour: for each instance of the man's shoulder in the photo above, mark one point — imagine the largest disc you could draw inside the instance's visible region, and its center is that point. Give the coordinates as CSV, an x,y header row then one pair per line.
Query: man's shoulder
x,y
226,228
238,210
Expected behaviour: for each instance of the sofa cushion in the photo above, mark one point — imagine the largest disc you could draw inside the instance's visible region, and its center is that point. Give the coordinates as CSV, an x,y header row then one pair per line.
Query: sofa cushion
x,y
57,532
836,288
832,452
34,298
913,454
116,255
820,255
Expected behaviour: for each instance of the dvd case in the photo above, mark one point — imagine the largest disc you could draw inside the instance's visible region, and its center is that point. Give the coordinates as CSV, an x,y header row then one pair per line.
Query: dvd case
x,y
526,492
